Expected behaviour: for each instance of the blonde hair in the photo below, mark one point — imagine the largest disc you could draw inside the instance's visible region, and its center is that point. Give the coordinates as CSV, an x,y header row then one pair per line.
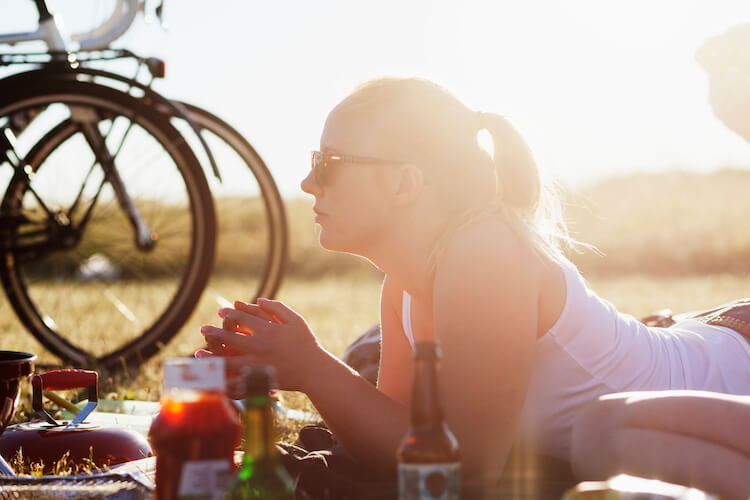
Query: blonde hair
x,y
419,122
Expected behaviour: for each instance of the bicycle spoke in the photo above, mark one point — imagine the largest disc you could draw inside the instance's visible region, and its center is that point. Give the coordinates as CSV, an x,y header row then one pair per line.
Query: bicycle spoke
x,y
122,308
137,163
21,168
219,298
108,293
87,216
77,200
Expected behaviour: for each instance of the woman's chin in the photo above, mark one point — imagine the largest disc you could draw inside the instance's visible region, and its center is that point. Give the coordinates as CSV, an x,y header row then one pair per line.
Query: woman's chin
x,y
325,240
330,242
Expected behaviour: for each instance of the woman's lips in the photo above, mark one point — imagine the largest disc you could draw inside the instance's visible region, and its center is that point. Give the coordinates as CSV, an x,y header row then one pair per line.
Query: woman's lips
x,y
318,214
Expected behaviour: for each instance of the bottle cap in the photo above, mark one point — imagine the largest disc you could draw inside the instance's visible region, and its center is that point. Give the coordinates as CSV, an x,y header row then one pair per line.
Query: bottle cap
x,y
427,349
258,380
205,374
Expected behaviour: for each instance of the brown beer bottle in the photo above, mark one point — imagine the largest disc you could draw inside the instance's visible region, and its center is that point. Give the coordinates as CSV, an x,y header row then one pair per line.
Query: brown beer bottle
x,y
428,463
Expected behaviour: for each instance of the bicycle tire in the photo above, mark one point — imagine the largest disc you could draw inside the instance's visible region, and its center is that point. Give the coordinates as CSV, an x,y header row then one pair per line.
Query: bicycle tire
x,y
186,269
244,177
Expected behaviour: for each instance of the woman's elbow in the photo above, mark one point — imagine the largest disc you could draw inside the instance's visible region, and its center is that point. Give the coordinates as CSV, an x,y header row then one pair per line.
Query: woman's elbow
x,y
593,448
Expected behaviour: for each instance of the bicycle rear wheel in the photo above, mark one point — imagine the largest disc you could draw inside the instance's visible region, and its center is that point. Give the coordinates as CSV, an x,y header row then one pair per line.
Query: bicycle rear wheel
x,y
252,234
71,268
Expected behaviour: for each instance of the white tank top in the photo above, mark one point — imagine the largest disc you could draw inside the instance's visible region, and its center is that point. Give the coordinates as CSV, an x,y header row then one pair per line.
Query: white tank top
x,y
593,350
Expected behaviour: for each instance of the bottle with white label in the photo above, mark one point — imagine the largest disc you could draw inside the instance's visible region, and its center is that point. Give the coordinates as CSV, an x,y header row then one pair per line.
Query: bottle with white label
x,y
196,432
428,461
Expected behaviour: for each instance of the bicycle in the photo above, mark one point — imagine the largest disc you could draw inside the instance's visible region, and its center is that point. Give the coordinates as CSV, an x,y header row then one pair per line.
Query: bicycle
x,y
108,199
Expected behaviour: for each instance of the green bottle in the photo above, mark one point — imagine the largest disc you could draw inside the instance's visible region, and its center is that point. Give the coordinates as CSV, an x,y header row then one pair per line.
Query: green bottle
x,y
261,474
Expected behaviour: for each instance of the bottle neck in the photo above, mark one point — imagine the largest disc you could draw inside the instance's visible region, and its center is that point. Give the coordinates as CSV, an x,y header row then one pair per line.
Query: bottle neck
x,y
425,399
259,442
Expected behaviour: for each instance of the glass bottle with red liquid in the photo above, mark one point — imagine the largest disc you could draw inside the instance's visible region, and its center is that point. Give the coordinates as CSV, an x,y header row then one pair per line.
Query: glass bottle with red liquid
x,y
196,432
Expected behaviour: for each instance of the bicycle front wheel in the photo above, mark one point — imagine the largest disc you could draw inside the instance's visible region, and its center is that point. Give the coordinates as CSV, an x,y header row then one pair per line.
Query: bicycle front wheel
x,y
103,265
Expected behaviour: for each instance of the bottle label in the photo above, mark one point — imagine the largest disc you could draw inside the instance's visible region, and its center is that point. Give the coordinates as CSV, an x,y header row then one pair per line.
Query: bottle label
x,y
203,479
205,374
438,481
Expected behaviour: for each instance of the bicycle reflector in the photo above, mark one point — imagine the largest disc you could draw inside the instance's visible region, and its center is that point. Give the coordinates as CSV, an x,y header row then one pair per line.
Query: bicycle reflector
x,y
155,67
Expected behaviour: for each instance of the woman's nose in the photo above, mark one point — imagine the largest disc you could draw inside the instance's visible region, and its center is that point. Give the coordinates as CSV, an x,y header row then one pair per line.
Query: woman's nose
x,y
310,184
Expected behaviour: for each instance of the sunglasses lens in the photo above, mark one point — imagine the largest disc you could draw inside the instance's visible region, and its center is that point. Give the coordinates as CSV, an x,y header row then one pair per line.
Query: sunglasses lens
x,y
320,167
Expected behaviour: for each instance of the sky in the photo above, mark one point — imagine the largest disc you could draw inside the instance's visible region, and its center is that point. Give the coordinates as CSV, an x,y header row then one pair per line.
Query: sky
x,y
598,88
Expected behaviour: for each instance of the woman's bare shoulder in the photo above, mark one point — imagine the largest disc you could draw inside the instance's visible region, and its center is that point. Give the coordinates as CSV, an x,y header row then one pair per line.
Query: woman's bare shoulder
x,y
488,241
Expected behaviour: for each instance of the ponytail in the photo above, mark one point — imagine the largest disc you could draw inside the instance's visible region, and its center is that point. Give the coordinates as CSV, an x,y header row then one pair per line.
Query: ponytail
x,y
532,208
517,176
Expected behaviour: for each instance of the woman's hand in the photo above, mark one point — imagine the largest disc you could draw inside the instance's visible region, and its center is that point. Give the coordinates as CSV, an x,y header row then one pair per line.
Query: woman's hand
x,y
266,333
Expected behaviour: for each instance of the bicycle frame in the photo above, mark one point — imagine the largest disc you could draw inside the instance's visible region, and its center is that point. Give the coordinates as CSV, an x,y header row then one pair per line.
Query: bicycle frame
x,y
58,63
98,38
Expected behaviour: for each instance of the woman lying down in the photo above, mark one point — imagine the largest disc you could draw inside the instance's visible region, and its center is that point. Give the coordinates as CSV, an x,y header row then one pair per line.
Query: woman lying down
x,y
471,247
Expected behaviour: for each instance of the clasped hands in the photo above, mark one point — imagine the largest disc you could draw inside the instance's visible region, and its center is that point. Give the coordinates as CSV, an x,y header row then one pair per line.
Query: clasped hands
x,y
266,333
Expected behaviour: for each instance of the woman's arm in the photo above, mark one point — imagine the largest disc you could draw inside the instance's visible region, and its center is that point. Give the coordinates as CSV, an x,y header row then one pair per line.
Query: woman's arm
x,y
485,315
368,422
694,438
372,428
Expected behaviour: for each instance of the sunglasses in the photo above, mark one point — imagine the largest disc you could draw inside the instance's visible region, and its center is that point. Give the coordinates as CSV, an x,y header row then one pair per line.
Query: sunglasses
x,y
325,164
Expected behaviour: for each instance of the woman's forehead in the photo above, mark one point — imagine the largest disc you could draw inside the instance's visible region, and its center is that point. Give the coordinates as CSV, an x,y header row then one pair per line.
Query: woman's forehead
x,y
364,134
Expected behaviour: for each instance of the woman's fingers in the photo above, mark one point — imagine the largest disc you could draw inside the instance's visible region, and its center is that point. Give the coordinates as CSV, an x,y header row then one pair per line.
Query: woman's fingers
x,y
229,324
213,345
255,310
243,322
203,353
219,336
266,333
278,309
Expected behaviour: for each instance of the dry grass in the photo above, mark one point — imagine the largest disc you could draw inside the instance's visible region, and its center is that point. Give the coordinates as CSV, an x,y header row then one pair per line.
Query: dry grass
x,y
664,225
64,466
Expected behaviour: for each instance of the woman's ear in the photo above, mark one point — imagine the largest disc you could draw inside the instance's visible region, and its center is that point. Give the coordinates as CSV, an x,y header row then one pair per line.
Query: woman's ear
x,y
411,183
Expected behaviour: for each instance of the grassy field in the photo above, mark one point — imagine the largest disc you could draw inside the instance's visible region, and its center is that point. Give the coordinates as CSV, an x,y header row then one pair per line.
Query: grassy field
x,y
664,225
673,240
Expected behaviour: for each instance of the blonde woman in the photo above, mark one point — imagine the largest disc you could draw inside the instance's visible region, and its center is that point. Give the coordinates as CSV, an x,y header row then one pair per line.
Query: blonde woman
x,y
469,242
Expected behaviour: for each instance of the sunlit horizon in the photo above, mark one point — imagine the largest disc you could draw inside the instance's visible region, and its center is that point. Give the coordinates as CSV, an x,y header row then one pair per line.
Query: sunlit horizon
x,y
598,89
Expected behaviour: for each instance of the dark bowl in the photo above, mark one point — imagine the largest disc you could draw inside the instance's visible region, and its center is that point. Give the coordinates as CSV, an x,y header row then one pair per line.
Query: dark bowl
x,y
14,367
